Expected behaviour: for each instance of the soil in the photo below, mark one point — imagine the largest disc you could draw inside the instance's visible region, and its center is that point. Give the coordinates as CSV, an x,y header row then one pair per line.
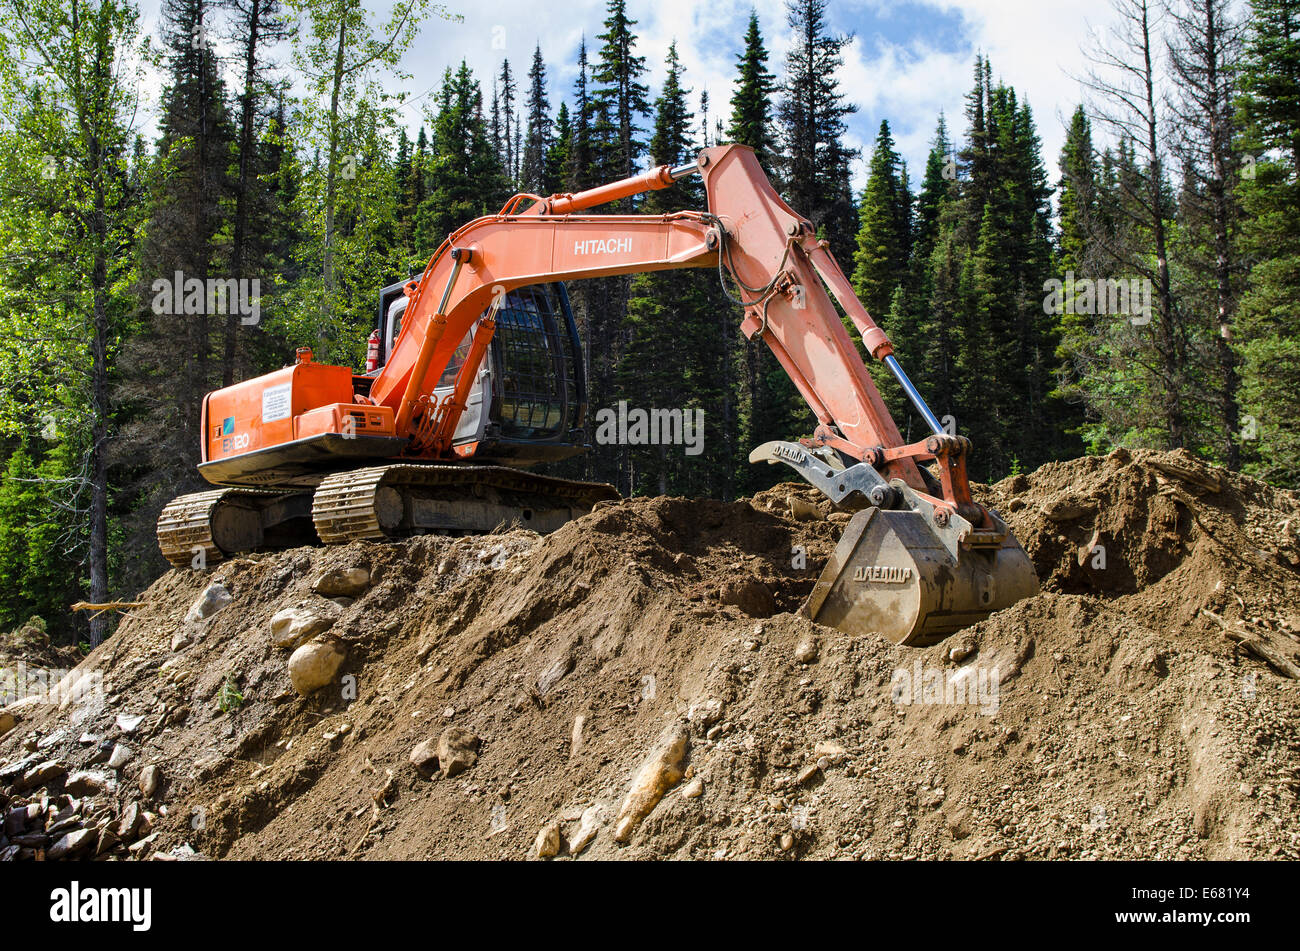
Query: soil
x,y
1144,705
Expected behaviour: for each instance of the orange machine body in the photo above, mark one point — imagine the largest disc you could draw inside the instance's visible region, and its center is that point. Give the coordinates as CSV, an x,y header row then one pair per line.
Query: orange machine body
x,y
281,416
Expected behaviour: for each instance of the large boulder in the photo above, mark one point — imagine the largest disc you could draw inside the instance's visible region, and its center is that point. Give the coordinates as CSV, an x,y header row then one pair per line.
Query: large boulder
x,y
314,665
293,627
660,771
342,583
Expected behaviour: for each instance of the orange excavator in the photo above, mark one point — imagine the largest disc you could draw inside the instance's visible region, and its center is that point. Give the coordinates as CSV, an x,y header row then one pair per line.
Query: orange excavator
x,y
477,374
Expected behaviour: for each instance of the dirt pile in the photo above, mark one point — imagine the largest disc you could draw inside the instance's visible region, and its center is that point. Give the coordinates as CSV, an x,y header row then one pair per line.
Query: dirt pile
x,y
638,685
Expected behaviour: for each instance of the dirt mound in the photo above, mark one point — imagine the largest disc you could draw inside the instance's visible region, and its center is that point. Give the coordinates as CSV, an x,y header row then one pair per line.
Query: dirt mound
x,y
638,685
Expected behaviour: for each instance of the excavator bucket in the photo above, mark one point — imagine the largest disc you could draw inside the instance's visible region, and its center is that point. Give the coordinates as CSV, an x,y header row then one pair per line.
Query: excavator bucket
x,y
899,575
897,571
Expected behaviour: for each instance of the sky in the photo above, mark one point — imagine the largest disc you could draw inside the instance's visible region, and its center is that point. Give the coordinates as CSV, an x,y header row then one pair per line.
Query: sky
x,y
907,60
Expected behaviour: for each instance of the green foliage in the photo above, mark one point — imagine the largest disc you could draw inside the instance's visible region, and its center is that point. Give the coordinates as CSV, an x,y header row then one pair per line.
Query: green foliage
x,y
1269,319
751,102
229,696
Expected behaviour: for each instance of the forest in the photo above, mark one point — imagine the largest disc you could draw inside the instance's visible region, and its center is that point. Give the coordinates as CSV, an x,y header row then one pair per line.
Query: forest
x,y
1139,289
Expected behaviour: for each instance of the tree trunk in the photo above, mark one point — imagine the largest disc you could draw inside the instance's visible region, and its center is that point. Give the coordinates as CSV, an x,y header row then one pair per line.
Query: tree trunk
x,y
1172,364
248,104
331,180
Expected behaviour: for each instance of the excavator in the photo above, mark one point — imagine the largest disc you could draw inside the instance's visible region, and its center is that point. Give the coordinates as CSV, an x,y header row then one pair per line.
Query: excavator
x,y
476,374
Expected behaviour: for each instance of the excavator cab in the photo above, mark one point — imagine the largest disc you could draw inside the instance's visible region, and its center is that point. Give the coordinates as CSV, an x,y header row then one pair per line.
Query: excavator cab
x,y
529,402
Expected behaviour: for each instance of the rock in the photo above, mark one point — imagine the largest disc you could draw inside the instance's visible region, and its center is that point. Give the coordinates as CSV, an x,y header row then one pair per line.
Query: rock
x,y
705,713
120,756
128,723
1066,509
588,826
787,842
961,650
213,599
144,843
424,757
40,774
807,773
15,769
108,841
833,753
181,639
7,722
293,627
802,511
694,789
575,738
554,674
457,750
750,595
342,583
958,822
660,771
548,840
128,823
74,842
15,821
806,652
87,783
150,780
314,665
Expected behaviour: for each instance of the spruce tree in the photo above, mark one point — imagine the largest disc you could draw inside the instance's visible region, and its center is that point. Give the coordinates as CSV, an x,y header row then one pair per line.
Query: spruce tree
x,y
884,231
1269,329
508,155
811,117
621,92
537,142
751,102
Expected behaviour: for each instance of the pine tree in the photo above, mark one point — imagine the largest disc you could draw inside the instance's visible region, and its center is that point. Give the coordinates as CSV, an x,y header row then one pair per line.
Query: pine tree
x,y
620,91
559,154
1269,330
811,116
580,148
537,142
466,179
185,239
257,25
1203,53
1077,202
509,156
885,225
751,102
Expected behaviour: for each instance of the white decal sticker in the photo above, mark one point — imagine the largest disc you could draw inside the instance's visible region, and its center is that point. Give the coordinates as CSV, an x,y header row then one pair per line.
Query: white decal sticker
x,y
275,403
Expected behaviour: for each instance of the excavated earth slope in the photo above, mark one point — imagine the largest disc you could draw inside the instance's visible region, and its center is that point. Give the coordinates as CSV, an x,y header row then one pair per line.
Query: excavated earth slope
x,y
638,685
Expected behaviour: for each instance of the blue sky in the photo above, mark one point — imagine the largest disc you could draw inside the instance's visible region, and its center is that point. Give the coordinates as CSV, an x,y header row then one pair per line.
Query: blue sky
x,y
907,60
